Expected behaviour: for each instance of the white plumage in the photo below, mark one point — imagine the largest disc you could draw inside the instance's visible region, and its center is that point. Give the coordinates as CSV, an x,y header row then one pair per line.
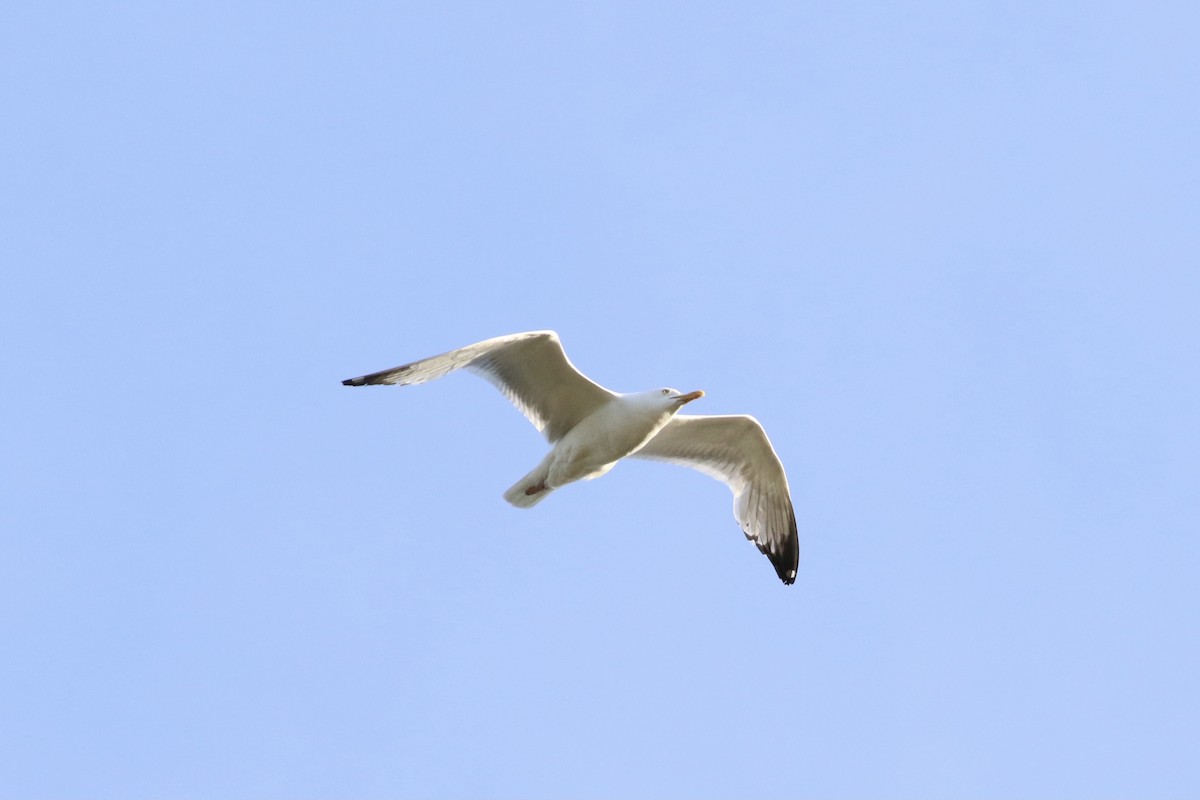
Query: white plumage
x,y
593,428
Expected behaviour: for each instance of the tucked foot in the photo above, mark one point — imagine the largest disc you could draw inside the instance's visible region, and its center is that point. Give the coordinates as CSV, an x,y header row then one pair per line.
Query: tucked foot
x,y
532,490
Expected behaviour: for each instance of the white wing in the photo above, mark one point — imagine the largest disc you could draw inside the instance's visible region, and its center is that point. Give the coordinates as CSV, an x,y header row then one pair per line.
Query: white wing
x,y
531,370
735,450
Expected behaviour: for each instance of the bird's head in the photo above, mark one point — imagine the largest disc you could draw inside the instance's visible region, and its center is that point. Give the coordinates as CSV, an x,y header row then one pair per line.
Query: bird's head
x,y
674,399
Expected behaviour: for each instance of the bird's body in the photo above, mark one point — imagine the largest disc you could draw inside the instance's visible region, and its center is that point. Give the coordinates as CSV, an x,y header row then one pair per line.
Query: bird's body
x,y
592,428
613,431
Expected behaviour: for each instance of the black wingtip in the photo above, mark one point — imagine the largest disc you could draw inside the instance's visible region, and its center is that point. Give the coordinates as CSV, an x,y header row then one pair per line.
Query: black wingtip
x,y
787,562
785,571
353,382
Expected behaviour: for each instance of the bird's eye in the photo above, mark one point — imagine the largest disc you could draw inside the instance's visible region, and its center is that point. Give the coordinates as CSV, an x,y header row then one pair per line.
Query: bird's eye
x,y
666,391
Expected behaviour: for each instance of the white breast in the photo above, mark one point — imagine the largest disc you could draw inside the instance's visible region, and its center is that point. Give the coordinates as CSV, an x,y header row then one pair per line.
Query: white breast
x,y
603,438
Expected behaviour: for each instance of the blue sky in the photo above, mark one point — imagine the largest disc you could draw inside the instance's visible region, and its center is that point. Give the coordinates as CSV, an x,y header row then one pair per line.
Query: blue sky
x,y
946,253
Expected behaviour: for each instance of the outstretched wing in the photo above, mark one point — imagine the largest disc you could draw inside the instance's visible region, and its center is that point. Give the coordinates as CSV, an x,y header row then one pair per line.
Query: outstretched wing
x,y
735,450
531,370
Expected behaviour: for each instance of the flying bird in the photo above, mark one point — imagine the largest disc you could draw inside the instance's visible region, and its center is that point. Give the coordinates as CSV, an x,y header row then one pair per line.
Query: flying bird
x,y
592,428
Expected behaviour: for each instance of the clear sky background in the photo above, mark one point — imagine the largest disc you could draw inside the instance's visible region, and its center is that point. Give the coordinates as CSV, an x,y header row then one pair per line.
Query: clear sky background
x,y
947,253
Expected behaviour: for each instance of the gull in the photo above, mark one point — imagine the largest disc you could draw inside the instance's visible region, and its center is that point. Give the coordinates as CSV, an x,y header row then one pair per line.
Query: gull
x,y
592,428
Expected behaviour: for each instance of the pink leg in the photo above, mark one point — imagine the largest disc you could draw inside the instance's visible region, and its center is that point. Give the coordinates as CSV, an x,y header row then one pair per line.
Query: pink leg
x,y
532,490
